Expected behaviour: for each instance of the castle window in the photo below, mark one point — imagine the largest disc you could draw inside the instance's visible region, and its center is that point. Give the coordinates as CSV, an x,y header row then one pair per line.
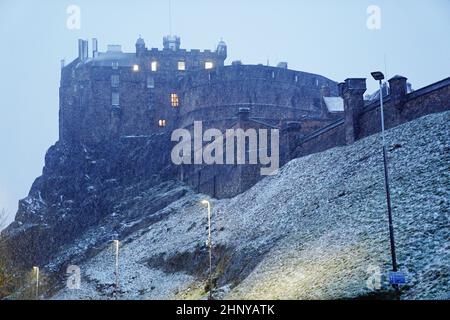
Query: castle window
x,y
150,82
175,102
135,67
209,65
181,65
154,66
115,65
273,74
162,122
115,99
296,78
115,80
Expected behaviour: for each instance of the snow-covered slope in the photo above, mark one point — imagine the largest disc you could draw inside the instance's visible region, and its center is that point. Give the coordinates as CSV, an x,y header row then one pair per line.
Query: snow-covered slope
x,y
317,230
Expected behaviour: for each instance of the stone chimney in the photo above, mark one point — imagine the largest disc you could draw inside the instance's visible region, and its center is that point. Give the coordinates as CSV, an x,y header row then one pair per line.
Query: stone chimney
x,y
325,91
94,47
244,114
352,91
398,90
83,52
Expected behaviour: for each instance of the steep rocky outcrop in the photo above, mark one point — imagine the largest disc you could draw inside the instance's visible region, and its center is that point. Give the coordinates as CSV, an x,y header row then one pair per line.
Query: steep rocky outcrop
x,y
78,190
316,230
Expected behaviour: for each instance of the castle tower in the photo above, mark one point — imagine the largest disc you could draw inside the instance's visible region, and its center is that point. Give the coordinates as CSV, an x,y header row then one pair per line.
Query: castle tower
x,y
140,47
171,42
222,49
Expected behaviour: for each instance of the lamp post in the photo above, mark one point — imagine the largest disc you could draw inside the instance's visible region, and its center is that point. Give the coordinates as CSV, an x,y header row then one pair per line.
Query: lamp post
x,y
379,76
209,244
36,273
116,271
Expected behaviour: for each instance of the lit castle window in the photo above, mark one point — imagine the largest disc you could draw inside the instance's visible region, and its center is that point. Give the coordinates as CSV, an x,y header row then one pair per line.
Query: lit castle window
x,y
181,65
209,65
174,100
135,67
162,123
154,66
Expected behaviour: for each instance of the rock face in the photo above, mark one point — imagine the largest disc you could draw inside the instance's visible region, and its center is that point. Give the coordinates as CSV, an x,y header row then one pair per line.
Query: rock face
x,y
77,190
317,230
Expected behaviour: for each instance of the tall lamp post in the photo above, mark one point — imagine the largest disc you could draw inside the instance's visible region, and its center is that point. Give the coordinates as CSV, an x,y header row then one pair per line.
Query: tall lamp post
x,y
209,244
36,273
379,76
116,265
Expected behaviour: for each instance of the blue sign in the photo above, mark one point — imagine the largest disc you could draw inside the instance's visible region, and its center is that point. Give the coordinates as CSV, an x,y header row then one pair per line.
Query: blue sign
x,y
397,277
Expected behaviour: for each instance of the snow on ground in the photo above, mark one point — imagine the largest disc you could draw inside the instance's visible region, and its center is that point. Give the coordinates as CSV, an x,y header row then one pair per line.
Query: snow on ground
x,y
317,230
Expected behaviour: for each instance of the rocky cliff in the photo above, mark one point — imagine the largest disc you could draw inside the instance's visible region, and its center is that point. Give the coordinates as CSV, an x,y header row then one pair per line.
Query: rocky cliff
x,y
317,230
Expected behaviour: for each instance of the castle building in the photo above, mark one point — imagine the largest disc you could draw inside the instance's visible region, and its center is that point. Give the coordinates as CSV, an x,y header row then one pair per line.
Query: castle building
x,y
114,94
108,97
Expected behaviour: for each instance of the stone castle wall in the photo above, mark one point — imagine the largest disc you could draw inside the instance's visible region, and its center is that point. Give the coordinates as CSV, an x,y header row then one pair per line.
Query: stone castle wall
x,y
399,107
274,95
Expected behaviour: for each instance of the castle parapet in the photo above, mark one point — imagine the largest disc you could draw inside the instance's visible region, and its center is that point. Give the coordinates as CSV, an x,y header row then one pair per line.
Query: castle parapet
x,y
398,90
352,91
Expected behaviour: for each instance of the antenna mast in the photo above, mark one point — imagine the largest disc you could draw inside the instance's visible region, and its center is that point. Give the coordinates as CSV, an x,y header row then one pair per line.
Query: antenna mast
x,y
385,66
170,17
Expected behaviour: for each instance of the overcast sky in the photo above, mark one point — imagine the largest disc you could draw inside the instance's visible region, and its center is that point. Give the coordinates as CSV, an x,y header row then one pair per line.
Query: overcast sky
x,y
330,38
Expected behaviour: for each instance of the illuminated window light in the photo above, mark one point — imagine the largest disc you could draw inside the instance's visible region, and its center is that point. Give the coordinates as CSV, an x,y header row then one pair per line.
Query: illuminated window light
x,y
174,100
162,123
154,66
135,67
181,65
209,65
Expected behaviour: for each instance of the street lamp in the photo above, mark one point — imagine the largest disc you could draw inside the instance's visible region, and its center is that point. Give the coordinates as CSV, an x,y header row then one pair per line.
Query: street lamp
x,y
379,76
36,273
209,244
116,272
